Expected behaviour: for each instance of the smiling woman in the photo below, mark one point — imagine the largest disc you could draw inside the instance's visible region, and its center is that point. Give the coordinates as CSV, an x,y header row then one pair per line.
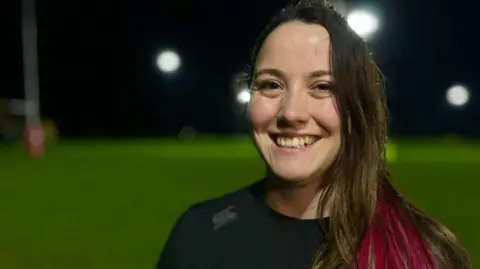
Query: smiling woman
x,y
318,119
293,102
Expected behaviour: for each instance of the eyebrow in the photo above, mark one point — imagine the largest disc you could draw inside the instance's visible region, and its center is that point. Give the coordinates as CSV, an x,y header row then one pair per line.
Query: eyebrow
x,y
278,73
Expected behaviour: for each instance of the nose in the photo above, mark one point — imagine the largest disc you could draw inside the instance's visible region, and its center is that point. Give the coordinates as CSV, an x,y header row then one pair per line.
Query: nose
x,y
294,112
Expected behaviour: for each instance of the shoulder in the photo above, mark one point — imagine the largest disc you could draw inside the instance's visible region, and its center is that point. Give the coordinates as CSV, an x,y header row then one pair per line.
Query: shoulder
x,y
212,211
201,227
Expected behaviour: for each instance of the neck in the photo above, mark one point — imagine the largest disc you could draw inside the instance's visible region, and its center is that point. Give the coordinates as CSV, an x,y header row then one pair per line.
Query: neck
x,y
293,200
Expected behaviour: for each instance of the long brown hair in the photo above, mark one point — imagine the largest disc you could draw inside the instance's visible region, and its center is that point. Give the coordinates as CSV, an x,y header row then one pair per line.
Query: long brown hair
x,y
371,224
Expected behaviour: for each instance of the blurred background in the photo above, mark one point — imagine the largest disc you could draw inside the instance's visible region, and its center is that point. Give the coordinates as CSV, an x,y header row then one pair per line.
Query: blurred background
x,y
115,116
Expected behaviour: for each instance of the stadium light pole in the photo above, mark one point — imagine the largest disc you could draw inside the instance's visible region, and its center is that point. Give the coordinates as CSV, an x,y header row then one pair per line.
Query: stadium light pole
x,y
243,96
364,22
457,95
168,61
34,136
240,88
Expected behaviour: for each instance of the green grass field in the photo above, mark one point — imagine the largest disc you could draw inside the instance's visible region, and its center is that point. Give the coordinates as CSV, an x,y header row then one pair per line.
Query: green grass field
x,y
111,204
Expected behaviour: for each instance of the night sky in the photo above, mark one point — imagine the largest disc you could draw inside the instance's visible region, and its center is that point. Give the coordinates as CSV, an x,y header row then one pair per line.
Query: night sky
x,y
98,75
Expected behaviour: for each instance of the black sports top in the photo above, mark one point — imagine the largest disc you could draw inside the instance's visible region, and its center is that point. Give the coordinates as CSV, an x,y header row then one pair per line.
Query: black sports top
x,y
240,231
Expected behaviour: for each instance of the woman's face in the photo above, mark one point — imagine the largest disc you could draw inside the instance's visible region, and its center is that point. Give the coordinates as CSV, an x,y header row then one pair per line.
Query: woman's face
x,y
293,114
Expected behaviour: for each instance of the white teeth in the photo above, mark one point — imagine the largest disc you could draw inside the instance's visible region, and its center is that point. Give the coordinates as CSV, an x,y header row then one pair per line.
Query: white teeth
x,y
295,142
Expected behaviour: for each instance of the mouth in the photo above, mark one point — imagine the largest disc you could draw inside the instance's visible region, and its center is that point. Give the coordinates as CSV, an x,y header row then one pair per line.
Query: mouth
x,y
294,141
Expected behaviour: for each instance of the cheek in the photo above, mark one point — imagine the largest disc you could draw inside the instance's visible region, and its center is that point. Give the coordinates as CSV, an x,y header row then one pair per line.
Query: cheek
x,y
327,114
262,111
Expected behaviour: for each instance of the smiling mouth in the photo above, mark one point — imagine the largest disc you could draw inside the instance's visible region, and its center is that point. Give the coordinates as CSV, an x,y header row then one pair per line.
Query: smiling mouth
x,y
294,142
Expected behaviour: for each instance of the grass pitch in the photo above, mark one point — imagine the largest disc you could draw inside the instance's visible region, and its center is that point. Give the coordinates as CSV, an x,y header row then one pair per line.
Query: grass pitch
x,y
111,204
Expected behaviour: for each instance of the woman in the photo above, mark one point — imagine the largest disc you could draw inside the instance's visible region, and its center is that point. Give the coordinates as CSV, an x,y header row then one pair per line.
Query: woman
x,y
318,119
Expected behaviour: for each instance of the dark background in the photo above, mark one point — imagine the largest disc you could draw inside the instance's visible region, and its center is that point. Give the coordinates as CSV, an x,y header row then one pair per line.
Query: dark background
x,y
98,75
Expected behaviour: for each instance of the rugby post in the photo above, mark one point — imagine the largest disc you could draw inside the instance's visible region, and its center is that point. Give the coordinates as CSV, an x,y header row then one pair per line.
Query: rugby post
x,y
34,137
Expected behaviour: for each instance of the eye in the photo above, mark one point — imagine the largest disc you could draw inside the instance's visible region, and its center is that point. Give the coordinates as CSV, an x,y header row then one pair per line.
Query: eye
x,y
268,88
324,87
267,85
322,90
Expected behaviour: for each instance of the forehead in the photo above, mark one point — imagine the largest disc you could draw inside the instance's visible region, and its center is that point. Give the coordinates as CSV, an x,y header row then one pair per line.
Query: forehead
x,y
296,46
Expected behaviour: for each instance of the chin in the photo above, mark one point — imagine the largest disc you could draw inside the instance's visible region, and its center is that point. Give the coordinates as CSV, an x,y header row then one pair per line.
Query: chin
x,y
292,174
